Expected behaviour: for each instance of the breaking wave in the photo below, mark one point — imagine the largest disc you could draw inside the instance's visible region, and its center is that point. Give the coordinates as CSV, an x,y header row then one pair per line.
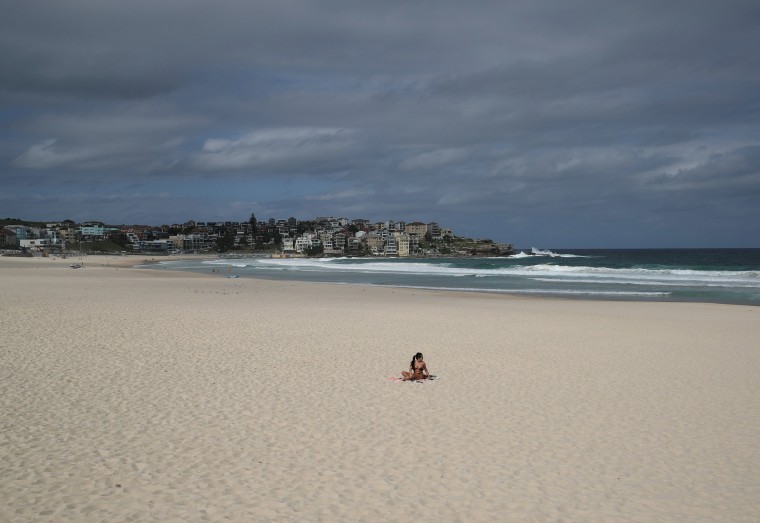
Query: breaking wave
x,y
542,272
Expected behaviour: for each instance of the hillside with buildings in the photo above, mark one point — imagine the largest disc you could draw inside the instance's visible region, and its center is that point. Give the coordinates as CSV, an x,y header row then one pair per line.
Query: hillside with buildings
x,y
322,236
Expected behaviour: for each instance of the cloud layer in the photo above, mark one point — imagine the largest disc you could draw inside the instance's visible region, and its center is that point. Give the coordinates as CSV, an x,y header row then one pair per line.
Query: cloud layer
x,y
551,123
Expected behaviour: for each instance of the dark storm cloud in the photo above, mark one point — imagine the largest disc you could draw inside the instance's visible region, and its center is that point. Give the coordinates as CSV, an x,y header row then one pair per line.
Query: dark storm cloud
x,y
498,113
737,170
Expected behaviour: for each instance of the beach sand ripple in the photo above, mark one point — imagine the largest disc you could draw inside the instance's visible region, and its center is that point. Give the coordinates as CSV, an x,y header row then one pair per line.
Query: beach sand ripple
x,y
136,395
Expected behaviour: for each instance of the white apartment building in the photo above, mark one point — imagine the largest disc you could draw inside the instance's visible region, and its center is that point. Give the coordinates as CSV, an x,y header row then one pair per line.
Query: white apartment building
x,y
35,244
95,231
306,241
324,237
302,243
391,248
53,236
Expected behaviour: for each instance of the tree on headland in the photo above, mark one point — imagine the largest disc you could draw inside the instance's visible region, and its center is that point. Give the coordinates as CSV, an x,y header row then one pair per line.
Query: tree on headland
x,y
305,226
120,239
254,232
179,229
226,241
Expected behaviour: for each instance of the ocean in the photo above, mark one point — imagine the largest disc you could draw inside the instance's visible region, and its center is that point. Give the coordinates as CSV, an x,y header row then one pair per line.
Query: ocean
x,y
695,275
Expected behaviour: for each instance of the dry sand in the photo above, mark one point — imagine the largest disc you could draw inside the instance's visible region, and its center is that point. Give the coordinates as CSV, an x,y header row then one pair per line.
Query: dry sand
x,y
138,395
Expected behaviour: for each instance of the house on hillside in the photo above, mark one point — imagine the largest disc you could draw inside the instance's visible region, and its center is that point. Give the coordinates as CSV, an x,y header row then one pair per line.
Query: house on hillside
x,y
22,232
8,239
288,245
416,228
391,248
37,244
95,232
375,243
407,244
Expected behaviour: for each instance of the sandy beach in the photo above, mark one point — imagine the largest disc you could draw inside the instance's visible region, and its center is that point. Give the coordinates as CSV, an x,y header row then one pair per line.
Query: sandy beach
x,y
129,394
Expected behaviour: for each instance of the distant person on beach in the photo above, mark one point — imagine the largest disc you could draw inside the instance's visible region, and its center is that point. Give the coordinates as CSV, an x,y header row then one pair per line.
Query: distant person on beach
x,y
417,369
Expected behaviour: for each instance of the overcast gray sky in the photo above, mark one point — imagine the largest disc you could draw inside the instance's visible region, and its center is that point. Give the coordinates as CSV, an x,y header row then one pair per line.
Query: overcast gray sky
x,y
542,123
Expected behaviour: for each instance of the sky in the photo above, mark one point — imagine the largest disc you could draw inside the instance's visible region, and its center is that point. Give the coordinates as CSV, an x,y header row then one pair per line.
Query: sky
x,y
546,123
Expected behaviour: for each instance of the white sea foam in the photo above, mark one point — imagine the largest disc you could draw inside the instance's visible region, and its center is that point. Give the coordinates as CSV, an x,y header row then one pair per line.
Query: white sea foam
x,y
677,277
553,292
652,283
540,272
547,252
377,266
538,253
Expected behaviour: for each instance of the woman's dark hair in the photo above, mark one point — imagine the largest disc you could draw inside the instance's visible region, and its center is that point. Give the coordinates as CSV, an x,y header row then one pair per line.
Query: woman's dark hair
x,y
417,356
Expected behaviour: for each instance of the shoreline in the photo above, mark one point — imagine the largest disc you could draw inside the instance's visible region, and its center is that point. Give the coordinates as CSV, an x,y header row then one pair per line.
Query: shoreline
x,y
608,295
142,263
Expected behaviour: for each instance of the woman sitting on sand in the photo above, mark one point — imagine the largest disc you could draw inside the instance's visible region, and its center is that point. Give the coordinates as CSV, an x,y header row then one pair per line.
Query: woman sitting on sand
x,y
417,369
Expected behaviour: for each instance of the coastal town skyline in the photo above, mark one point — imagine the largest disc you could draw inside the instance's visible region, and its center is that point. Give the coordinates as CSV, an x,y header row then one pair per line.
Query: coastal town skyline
x,y
589,124
323,235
